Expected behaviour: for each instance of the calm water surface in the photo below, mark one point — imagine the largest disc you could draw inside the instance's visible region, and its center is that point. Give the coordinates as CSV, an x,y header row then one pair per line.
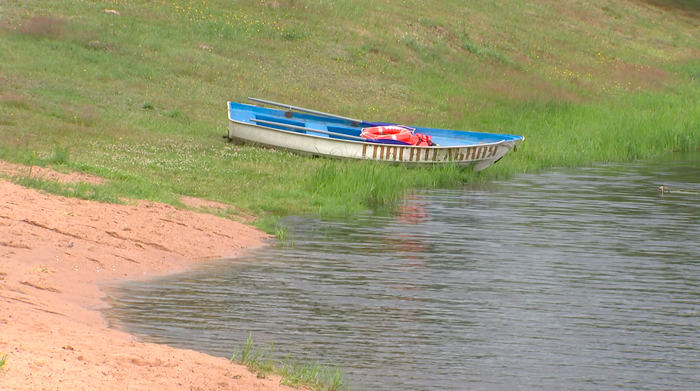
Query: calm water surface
x,y
580,279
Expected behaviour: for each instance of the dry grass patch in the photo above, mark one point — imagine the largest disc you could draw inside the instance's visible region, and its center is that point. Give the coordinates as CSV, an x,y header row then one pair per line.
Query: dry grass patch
x,y
639,78
83,114
13,100
11,169
687,7
44,27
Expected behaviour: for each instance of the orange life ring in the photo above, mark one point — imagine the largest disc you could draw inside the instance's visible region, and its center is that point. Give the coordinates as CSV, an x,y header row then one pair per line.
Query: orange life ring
x,y
389,132
399,133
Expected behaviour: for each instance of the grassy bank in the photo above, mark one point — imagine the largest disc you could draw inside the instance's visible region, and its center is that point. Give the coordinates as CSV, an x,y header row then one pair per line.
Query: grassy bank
x,y
137,94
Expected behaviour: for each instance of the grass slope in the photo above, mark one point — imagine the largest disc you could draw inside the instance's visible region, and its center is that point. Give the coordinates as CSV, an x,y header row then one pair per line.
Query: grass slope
x,y
135,90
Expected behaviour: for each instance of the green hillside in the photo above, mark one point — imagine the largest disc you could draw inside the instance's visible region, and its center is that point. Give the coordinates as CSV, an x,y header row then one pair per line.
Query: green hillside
x,y
136,90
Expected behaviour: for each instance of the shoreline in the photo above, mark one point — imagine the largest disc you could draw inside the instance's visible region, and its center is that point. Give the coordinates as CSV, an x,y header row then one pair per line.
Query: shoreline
x,y
55,253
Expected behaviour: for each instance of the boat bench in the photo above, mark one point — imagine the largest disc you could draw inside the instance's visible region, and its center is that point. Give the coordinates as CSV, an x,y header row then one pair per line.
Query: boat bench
x,y
281,120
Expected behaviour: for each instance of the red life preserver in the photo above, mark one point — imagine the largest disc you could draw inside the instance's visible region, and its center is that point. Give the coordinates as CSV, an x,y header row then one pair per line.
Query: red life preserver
x,y
397,132
389,132
422,140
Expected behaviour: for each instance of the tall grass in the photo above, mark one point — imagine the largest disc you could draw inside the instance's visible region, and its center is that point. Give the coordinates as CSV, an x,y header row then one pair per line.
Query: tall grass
x,y
641,126
313,375
259,360
370,182
296,373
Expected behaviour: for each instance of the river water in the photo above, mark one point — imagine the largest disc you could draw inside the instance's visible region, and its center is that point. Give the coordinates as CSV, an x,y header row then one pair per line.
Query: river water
x,y
582,279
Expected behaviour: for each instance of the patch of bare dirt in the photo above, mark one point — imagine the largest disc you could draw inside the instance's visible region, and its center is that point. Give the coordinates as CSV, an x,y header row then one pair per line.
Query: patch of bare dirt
x,y
195,202
208,206
11,169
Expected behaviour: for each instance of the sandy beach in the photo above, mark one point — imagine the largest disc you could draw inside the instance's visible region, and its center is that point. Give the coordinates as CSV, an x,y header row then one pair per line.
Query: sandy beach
x,y
54,253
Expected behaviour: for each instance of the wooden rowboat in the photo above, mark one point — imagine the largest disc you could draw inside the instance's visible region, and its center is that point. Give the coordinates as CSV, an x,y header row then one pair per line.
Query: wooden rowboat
x,y
315,133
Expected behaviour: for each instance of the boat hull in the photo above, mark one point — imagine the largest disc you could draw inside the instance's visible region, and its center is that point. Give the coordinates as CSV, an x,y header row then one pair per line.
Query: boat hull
x,y
478,155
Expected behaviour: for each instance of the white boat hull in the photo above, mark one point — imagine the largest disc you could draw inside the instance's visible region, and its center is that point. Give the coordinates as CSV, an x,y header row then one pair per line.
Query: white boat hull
x,y
478,156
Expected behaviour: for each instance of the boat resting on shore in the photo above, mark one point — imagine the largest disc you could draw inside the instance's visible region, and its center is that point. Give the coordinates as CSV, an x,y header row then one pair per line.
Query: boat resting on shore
x,y
315,133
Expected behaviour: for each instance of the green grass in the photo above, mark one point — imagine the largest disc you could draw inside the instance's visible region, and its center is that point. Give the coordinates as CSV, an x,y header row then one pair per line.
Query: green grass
x,y
77,190
3,362
139,98
313,375
258,360
296,373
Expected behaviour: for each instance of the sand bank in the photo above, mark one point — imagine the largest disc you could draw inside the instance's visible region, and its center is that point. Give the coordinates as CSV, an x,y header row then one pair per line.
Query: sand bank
x,y
54,251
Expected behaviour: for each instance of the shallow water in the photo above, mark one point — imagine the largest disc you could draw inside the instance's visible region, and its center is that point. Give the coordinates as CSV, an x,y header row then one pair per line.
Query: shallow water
x,y
580,279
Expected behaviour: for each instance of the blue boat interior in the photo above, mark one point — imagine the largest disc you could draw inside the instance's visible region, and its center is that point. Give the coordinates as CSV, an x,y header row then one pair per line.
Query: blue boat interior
x,y
335,128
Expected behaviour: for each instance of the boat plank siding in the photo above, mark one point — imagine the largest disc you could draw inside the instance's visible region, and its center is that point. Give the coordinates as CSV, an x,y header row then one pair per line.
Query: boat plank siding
x,y
428,155
494,150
